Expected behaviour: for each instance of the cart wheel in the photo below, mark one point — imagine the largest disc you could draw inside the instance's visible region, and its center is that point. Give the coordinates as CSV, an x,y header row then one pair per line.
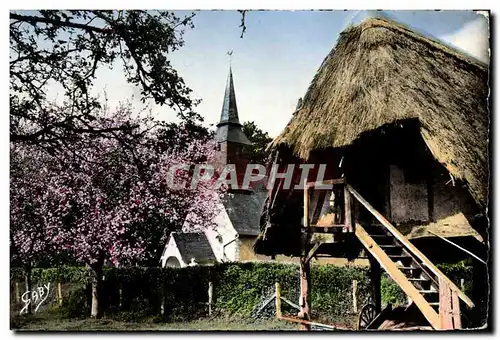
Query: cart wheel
x,y
366,315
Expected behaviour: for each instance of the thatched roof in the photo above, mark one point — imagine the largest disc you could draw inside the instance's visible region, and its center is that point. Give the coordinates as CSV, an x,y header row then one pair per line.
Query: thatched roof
x,y
381,72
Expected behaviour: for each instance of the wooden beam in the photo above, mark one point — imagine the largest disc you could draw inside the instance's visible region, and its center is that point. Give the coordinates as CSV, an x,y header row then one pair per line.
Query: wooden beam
x,y
335,227
306,206
290,303
414,250
455,307
312,252
311,323
347,210
380,318
327,182
376,282
461,248
305,299
391,268
318,199
445,310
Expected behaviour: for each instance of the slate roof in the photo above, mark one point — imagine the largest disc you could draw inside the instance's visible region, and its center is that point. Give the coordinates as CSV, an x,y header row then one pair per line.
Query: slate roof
x,y
229,126
194,245
244,210
231,133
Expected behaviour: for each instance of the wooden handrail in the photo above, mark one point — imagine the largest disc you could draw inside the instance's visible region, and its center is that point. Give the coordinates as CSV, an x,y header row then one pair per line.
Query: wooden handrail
x,y
332,182
407,244
391,268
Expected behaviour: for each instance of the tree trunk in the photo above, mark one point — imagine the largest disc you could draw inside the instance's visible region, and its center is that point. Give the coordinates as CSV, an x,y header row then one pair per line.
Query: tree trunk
x,y
96,274
28,286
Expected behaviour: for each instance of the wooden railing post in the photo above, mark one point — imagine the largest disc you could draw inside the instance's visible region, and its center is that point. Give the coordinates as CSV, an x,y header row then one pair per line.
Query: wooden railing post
x,y
306,205
445,305
347,211
455,306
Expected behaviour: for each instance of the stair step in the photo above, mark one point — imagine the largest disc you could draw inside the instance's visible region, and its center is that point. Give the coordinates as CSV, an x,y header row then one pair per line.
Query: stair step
x,y
389,246
428,291
417,279
382,239
408,268
378,229
434,304
399,256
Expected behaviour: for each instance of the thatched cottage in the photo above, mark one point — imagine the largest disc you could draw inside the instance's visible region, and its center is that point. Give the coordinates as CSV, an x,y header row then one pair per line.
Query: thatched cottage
x,y
404,118
401,122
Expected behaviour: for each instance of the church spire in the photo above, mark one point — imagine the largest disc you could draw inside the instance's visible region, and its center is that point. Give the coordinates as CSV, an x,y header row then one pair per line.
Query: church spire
x,y
229,126
229,112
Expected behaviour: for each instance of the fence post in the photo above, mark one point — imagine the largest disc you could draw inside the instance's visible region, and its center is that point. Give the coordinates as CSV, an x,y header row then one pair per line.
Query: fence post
x,y
59,293
355,296
278,300
120,295
18,296
163,299
210,296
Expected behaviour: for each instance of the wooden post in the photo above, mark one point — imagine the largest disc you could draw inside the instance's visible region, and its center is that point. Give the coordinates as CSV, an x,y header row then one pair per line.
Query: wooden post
x,y
462,285
59,293
375,278
305,272
304,299
455,306
445,306
306,206
18,294
355,296
347,210
163,300
28,284
278,300
210,295
120,296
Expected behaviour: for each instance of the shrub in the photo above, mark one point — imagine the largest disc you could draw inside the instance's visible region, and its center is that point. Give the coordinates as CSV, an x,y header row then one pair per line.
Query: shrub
x,y
76,304
134,293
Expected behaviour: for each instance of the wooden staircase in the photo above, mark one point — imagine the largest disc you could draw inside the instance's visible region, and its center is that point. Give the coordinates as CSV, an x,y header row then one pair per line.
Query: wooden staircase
x,y
436,296
427,287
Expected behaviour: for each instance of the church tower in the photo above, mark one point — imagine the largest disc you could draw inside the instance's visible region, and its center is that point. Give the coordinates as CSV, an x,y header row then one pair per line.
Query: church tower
x,y
232,143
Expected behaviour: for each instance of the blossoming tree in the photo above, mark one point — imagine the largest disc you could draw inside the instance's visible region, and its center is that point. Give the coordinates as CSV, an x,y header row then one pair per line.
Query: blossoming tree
x,y
103,198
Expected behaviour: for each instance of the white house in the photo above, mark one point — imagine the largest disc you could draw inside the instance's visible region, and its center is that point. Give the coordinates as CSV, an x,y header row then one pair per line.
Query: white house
x,y
237,227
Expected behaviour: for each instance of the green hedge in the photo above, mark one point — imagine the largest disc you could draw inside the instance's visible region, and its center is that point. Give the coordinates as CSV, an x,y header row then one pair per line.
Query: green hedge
x,y
136,292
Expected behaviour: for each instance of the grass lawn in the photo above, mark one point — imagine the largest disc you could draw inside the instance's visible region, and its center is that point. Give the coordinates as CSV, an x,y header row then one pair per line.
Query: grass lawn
x,y
50,321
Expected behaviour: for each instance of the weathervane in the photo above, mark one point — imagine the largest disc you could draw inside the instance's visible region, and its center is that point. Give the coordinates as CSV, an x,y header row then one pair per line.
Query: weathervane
x,y
230,54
